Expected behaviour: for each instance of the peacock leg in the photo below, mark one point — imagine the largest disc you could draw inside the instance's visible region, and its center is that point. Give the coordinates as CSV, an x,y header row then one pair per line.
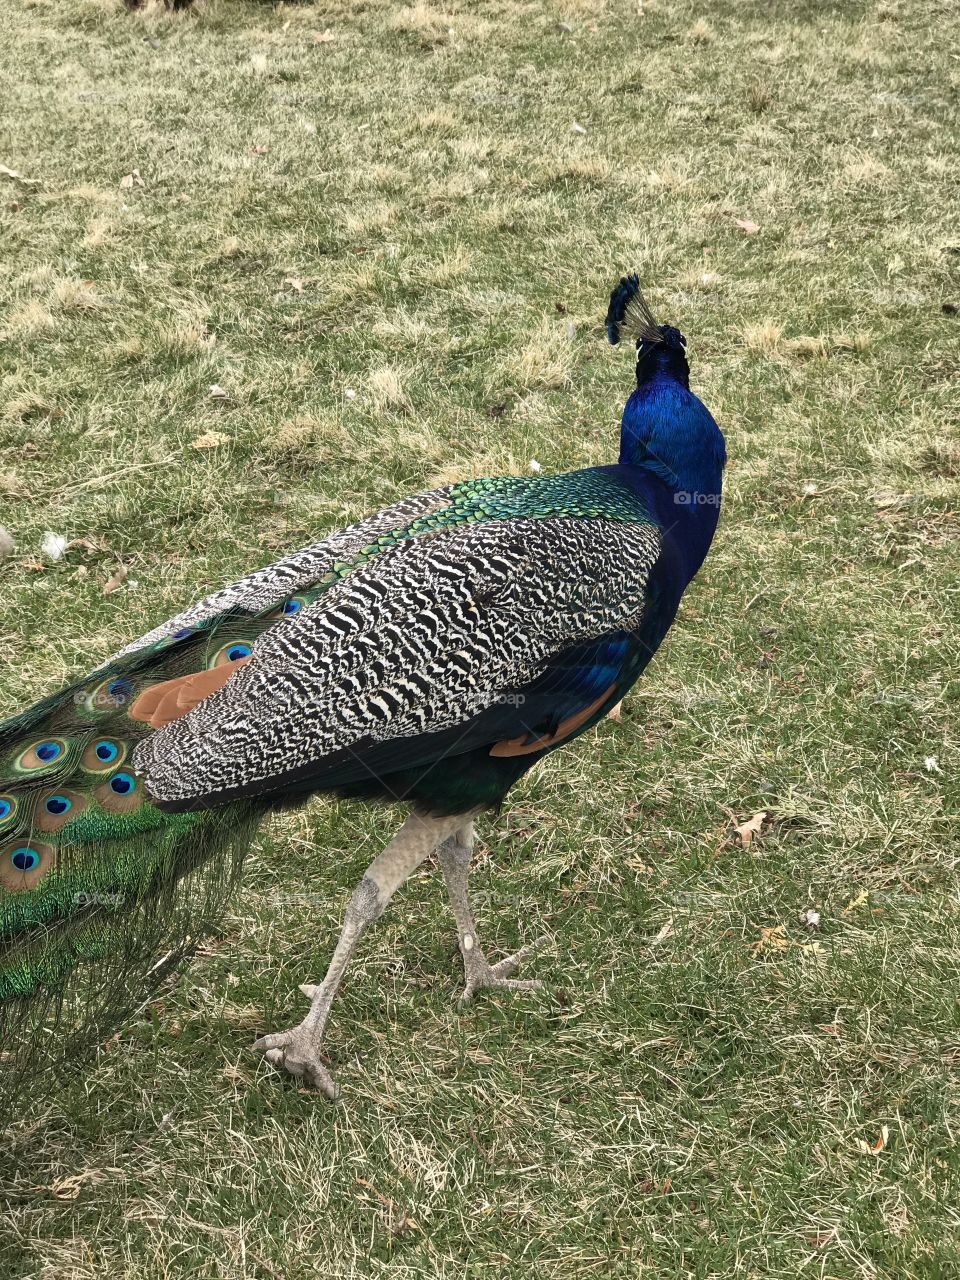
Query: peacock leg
x,y
454,856
298,1050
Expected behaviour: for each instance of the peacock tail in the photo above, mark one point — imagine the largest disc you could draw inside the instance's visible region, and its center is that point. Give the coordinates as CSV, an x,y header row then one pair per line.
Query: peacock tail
x,y
97,884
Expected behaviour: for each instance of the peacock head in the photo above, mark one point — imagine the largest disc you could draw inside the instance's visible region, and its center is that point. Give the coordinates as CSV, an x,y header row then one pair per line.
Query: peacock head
x,y
660,347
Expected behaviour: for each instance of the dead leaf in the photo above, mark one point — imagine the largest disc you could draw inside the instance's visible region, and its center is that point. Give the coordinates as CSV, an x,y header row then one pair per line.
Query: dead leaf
x,y
209,440
217,392
7,543
748,225
857,900
752,827
324,37
295,283
131,180
116,580
874,1148
260,150
616,713
775,939
772,939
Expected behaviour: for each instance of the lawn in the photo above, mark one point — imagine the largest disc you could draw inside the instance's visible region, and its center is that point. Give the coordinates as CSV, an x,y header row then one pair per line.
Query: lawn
x,y
386,234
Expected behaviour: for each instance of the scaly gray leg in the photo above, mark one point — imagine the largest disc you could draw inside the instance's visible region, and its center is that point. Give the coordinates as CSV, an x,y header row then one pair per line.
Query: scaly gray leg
x,y
454,856
298,1050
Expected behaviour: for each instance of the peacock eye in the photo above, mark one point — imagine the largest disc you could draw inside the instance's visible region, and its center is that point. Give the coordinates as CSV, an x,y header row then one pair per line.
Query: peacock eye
x,y
120,691
103,753
58,805
6,808
42,753
235,651
123,784
292,606
25,858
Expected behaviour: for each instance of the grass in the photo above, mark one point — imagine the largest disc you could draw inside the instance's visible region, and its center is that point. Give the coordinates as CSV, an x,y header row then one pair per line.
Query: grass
x,y
377,229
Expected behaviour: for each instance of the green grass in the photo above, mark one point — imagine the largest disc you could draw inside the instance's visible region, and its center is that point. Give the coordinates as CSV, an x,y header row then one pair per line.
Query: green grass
x,y
689,1095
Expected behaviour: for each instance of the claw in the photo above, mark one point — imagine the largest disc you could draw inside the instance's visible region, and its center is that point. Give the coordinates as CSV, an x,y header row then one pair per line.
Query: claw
x,y
298,1054
480,973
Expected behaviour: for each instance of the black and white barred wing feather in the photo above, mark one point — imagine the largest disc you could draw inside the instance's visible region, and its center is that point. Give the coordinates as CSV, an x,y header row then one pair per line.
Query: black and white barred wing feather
x,y
413,652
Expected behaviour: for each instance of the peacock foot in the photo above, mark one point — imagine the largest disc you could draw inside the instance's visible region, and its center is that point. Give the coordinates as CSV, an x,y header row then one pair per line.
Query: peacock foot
x,y
480,973
298,1052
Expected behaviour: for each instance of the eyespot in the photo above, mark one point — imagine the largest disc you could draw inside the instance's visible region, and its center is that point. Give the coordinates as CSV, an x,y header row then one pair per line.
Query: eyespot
x,y
25,858
24,865
42,754
57,809
120,690
111,694
120,793
103,753
175,637
235,651
292,606
7,806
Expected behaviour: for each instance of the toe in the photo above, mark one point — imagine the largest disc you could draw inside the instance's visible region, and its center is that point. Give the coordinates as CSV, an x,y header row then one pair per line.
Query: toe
x,y
272,1042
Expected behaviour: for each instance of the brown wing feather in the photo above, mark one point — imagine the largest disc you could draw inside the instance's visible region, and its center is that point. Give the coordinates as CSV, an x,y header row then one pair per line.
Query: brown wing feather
x,y
173,699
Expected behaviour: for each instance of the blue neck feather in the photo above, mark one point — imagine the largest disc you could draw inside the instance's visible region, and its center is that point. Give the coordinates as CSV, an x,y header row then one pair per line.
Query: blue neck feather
x,y
666,430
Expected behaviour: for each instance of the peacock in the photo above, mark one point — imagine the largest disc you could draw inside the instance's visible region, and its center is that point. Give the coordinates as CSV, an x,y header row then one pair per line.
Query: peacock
x,y
430,654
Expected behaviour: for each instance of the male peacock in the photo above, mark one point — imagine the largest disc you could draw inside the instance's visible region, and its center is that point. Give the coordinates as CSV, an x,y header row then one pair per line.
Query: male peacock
x,y
431,653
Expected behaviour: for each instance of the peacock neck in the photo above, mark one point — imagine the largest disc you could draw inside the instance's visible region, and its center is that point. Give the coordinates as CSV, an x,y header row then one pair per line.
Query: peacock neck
x,y
668,432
